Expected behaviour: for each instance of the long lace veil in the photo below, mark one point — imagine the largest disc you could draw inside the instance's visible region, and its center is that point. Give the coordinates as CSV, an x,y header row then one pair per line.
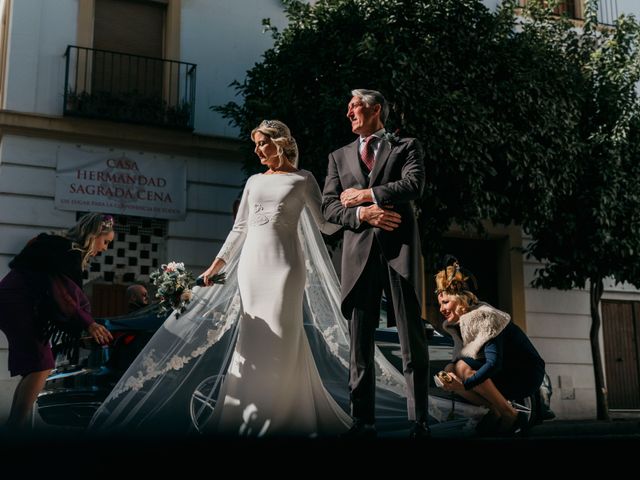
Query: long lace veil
x,y
172,386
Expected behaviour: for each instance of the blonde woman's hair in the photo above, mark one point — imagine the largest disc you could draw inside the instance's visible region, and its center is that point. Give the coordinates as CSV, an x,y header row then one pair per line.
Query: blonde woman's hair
x,y
280,135
453,282
84,233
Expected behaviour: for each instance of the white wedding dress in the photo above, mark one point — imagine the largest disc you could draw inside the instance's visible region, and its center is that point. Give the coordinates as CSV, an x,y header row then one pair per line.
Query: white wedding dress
x,y
272,384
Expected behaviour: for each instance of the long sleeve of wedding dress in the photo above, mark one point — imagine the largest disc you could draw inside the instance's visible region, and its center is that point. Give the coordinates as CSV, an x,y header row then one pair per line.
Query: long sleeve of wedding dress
x,y
236,236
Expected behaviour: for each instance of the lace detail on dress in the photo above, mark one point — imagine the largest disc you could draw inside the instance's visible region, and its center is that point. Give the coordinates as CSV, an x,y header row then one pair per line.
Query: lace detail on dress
x,y
260,216
225,251
154,368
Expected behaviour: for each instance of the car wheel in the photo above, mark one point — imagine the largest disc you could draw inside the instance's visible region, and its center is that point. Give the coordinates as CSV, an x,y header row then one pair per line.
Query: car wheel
x,y
203,401
528,405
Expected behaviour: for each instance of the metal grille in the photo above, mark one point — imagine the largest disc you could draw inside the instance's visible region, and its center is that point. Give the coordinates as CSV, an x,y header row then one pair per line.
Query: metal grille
x,y
129,88
137,250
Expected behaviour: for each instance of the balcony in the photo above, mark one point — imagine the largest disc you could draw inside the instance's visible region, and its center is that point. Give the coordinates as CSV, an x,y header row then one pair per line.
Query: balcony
x,y
129,88
574,9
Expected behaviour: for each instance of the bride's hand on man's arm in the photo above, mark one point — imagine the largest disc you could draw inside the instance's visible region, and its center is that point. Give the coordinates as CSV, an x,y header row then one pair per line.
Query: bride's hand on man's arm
x,y
215,267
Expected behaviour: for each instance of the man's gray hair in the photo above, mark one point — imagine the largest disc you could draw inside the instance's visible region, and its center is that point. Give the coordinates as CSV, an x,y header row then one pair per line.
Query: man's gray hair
x,y
373,97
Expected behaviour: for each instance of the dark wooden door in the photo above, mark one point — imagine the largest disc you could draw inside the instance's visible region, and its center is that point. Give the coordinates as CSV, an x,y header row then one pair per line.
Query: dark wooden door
x,y
108,300
136,28
620,328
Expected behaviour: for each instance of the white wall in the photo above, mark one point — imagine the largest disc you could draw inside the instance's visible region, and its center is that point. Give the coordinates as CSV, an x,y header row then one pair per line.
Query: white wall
x,y
491,4
627,7
558,325
225,39
40,30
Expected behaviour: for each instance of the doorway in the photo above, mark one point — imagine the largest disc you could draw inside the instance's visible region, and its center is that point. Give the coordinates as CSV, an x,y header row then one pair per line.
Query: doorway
x,y
621,334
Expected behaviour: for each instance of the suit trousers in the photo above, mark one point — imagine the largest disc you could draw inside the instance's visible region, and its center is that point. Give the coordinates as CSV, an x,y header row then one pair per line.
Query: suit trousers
x,y
377,277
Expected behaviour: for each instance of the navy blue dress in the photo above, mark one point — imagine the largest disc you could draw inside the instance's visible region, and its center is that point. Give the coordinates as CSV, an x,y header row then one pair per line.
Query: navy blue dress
x,y
511,362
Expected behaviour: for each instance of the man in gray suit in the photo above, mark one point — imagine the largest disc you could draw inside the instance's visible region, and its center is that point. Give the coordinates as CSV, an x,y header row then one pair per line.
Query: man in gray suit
x,y
370,186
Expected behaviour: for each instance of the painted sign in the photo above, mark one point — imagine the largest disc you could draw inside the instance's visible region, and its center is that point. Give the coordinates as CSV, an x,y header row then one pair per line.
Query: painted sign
x,y
142,185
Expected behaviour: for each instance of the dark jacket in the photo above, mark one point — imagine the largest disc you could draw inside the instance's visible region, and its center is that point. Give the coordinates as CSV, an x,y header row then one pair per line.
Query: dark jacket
x,y
397,179
54,272
509,353
50,254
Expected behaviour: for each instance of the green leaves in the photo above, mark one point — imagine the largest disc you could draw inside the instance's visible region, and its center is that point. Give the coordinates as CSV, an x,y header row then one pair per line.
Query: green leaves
x,y
523,119
592,228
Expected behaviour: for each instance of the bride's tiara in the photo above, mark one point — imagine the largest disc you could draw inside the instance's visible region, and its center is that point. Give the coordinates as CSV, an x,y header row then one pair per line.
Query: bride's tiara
x,y
272,124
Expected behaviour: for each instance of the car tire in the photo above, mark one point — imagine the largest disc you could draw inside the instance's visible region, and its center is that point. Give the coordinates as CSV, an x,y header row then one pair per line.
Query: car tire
x,y
203,401
530,405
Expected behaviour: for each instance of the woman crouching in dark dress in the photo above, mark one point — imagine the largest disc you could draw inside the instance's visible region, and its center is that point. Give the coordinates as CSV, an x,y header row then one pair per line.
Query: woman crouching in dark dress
x,y
493,359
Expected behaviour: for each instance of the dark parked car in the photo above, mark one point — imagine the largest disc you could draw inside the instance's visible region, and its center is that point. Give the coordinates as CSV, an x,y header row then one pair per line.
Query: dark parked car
x,y
77,387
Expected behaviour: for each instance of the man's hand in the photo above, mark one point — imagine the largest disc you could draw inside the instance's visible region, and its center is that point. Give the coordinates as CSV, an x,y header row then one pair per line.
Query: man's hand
x,y
380,217
353,197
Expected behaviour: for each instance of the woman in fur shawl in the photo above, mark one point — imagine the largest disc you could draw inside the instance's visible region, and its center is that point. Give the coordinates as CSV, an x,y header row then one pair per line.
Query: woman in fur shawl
x,y
493,359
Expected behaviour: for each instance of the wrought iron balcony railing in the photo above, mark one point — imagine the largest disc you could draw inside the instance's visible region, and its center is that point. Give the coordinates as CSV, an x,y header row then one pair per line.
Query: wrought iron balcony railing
x,y
574,9
129,88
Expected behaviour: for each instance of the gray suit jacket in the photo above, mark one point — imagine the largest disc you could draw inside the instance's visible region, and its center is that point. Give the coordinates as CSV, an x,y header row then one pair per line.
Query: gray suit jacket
x,y
397,179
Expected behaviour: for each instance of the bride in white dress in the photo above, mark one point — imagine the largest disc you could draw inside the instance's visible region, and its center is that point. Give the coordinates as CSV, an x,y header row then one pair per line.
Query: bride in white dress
x,y
272,385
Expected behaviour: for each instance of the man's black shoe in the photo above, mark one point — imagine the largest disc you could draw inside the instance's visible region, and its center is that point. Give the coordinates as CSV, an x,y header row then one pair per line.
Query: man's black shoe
x,y
360,430
419,430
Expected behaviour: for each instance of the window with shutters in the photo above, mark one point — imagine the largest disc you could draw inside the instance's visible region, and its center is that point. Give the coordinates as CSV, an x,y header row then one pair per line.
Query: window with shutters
x,y
124,73
134,28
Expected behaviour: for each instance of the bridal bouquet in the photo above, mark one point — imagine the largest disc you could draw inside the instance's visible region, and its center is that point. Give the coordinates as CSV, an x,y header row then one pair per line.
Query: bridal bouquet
x,y
174,284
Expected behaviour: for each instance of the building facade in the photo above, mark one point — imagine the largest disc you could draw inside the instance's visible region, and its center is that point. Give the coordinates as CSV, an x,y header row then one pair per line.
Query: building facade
x,y
105,106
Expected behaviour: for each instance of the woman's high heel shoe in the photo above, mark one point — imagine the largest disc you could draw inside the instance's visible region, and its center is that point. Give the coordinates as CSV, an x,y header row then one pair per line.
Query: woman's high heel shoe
x,y
519,426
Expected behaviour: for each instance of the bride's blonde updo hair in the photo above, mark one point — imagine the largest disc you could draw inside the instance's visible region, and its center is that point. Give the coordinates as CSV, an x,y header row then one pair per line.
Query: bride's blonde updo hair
x,y
454,282
280,135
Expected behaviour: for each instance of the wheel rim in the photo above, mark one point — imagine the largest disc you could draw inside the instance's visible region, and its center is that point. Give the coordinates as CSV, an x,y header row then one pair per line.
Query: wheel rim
x,y
203,401
524,405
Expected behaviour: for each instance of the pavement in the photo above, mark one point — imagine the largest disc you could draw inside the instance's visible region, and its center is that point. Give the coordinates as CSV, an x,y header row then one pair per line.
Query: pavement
x,y
562,430
587,430
548,449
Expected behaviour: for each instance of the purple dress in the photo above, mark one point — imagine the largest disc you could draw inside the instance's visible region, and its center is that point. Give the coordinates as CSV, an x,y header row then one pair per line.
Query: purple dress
x,y
46,266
